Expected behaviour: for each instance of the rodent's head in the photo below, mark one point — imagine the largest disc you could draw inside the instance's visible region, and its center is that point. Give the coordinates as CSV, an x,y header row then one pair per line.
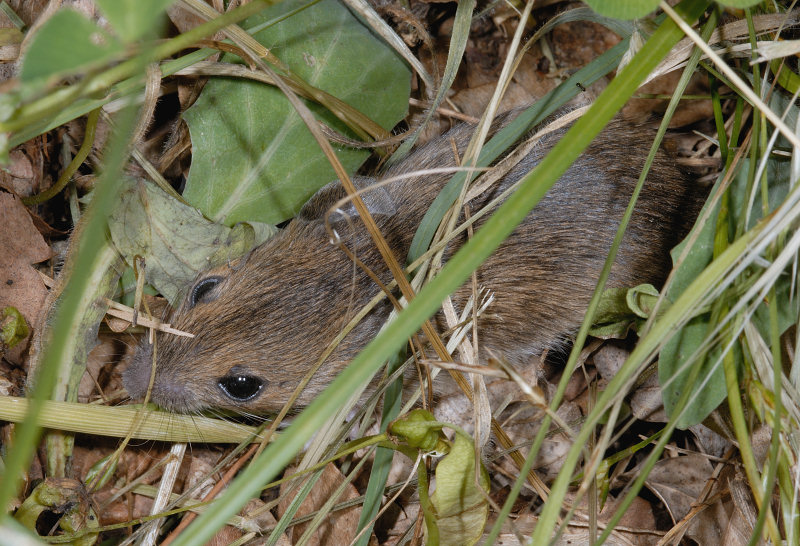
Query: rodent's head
x,y
260,325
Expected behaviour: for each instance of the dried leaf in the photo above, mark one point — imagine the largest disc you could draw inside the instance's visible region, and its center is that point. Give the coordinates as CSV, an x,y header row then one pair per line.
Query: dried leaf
x,y
339,527
21,245
175,239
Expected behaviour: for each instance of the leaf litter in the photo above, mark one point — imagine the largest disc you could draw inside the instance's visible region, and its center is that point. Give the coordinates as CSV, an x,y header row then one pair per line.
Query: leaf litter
x,y
678,484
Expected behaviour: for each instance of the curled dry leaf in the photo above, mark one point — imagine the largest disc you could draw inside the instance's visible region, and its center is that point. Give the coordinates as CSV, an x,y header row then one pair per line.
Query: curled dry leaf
x,y
175,239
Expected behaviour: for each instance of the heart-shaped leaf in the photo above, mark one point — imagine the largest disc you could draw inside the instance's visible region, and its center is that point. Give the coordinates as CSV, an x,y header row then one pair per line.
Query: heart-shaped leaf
x,y
253,157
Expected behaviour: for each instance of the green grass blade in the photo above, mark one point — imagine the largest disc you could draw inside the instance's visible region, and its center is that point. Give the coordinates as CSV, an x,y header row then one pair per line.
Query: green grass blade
x,y
382,463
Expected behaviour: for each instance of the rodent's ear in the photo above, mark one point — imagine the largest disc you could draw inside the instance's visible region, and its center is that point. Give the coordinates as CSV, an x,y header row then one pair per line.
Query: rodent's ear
x,y
379,202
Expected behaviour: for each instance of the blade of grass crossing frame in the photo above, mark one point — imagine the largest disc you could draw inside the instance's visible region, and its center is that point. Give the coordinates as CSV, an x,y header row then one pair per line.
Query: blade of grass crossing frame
x,y
383,457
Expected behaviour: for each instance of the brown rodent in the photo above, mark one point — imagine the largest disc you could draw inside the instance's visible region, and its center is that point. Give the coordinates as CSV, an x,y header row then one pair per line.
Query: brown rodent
x,y
262,322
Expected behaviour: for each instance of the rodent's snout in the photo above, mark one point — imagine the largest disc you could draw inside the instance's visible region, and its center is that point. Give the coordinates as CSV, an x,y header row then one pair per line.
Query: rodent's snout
x,y
172,393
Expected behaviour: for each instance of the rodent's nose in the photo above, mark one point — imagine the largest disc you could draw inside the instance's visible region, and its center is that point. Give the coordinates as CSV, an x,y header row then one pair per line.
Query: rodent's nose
x,y
167,392
136,376
173,395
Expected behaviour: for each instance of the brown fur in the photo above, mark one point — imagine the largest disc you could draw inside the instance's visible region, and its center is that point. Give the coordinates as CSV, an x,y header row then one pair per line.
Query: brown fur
x,y
274,312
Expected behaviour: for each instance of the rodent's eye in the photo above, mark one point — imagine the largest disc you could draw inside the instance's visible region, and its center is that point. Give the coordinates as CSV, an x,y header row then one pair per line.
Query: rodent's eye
x,y
202,291
241,388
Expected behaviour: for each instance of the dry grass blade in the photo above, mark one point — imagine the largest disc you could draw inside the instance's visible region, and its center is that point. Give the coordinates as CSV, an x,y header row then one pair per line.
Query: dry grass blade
x,y
119,421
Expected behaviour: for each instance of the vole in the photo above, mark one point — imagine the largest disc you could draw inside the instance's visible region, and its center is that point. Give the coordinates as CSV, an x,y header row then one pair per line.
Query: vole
x,y
260,323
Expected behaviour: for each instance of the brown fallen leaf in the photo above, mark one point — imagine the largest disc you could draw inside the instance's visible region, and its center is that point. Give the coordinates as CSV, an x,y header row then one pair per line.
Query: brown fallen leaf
x,y
18,176
743,512
680,482
339,527
255,509
21,246
637,526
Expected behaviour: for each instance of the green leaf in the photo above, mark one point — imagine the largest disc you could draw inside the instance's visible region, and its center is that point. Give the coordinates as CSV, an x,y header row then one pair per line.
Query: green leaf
x,y
674,374
700,254
254,158
67,43
623,9
641,299
620,308
788,307
133,19
461,502
739,3
175,239
674,370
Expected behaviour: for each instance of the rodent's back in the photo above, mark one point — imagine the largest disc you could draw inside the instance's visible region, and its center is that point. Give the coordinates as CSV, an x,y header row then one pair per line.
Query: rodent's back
x,y
266,320
543,275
